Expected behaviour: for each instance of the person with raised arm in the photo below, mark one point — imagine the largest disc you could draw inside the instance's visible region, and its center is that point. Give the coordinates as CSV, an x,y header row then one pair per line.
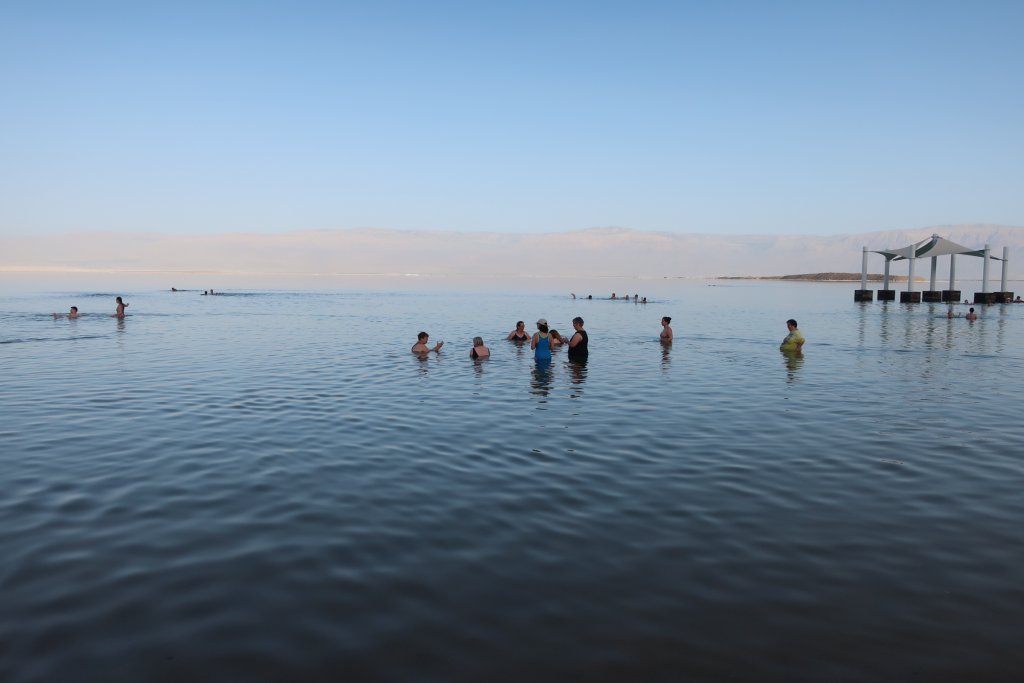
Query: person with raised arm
x,y
421,348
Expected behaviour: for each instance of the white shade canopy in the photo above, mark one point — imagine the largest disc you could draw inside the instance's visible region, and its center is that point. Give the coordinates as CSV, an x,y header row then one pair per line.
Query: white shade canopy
x,y
929,247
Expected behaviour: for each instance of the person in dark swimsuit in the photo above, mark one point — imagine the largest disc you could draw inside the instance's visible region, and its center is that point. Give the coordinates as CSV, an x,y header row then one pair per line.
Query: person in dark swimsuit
x,y
479,350
519,334
578,351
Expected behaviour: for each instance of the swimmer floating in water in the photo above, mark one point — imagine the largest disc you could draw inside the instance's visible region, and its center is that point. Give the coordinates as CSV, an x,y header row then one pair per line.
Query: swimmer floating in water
x,y
73,313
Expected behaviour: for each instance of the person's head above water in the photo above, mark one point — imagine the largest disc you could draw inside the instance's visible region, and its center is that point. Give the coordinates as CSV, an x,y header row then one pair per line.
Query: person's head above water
x,y
577,321
478,341
422,335
667,320
791,323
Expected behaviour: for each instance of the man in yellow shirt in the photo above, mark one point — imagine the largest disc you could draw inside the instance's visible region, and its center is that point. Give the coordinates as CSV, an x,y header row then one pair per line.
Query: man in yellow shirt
x,y
794,341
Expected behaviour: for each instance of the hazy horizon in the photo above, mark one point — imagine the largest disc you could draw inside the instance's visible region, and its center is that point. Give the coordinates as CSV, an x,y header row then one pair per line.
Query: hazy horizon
x,y
594,253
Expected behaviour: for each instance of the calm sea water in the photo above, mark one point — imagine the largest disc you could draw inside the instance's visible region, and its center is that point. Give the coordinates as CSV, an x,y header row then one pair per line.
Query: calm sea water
x,y
267,485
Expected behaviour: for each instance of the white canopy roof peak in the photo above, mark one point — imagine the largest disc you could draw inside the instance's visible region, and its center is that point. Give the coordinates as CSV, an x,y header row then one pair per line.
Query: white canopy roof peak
x,y
930,247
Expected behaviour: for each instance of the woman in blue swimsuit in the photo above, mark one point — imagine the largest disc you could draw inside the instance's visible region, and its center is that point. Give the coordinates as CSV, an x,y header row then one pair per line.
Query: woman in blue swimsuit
x,y
541,343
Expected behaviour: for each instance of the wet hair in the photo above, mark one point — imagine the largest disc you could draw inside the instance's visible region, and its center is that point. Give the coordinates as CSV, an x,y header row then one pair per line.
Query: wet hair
x,y
478,341
972,309
668,320
542,327
75,309
577,319
421,336
554,334
792,322
119,301
520,323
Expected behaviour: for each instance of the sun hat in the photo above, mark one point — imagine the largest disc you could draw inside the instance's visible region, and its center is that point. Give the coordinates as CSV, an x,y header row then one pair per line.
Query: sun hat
x,y
542,321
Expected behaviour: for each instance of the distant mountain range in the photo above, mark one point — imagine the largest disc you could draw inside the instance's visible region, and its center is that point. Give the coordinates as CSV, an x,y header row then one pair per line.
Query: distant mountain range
x,y
593,252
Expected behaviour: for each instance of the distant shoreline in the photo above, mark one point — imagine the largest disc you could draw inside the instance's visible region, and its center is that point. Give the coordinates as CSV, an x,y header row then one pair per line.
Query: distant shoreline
x,y
822,277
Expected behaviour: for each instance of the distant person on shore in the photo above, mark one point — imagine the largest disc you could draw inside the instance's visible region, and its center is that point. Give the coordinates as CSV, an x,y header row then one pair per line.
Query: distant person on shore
x,y
644,300
421,348
120,308
1018,300
971,315
966,301
73,313
666,330
614,297
590,297
573,294
578,343
205,293
794,341
541,342
519,334
479,350
174,289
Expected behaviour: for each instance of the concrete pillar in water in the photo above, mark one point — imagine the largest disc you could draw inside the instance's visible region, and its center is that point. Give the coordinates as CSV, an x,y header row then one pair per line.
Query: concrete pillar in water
x,y
984,272
913,258
952,294
885,278
910,296
1006,261
863,294
864,270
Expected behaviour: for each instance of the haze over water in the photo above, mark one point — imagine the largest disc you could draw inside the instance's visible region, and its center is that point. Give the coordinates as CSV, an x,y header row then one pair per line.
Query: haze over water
x,y
267,485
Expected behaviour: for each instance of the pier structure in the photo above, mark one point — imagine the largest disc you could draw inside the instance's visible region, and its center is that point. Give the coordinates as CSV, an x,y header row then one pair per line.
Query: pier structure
x,y
934,247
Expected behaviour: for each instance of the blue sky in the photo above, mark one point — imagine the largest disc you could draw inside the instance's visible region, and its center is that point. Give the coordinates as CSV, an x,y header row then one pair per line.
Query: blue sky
x,y
721,117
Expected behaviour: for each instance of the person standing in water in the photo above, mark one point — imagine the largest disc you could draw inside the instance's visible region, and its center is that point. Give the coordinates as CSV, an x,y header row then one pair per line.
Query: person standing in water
x,y
666,331
578,351
794,341
479,350
421,348
518,334
120,308
541,343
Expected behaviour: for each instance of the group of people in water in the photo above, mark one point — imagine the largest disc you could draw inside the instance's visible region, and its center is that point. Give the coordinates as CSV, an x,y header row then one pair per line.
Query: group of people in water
x,y
73,313
545,339
614,297
541,342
